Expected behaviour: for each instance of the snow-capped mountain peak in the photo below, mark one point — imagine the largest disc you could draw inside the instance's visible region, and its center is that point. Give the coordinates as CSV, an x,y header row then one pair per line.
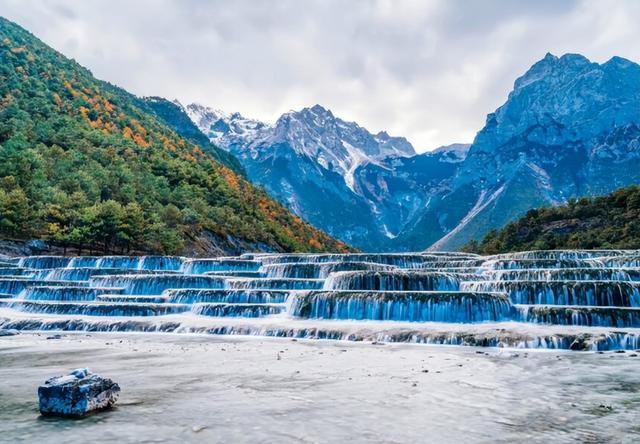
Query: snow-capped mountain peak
x,y
223,129
313,132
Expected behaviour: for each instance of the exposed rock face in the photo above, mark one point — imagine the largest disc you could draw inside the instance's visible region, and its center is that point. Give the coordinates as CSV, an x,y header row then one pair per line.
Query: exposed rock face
x,y
77,394
569,128
361,187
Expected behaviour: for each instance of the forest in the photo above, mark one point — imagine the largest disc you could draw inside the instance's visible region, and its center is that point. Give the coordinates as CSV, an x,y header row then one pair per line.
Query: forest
x,y
611,221
85,164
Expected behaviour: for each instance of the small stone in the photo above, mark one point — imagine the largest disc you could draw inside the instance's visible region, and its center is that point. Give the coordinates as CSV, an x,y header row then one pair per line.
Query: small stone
x,y
425,370
620,351
77,394
54,337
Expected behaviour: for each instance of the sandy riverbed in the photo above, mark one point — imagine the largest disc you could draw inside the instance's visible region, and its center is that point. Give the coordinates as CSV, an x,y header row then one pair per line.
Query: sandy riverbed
x,y
181,388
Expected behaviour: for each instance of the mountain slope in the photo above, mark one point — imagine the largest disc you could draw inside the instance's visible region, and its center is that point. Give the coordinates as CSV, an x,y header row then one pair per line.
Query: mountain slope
x,y
611,221
173,115
361,187
569,128
84,164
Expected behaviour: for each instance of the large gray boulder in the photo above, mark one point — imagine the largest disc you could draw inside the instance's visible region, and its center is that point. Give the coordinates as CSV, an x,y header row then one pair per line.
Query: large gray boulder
x,y
77,394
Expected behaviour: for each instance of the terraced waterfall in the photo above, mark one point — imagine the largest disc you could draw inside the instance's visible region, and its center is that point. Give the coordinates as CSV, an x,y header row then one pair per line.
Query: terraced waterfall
x,y
580,300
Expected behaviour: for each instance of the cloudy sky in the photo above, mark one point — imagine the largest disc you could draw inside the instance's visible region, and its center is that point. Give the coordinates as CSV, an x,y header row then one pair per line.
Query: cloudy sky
x,y
429,70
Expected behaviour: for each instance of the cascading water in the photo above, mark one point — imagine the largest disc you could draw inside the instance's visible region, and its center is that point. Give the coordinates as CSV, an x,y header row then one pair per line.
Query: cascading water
x,y
403,306
577,299
395,281
199,266
564,274
596,293
156,283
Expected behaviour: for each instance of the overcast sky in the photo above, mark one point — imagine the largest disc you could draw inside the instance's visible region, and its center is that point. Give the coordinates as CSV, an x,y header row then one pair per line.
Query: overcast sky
x,y
428,70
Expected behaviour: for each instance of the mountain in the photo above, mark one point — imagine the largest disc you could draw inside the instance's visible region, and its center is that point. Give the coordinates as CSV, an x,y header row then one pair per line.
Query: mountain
x,y
88,165
611,221
173,115
223,129
568,129
361,187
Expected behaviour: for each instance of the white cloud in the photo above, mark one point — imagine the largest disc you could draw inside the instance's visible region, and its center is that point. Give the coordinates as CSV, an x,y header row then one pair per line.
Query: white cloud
x,y
427,70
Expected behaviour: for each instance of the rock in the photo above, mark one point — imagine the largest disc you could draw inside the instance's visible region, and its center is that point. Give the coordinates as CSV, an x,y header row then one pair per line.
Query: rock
x,y
9,332
77,394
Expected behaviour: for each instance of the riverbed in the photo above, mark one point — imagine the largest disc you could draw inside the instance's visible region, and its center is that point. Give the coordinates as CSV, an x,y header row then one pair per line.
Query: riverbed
x,y
203,388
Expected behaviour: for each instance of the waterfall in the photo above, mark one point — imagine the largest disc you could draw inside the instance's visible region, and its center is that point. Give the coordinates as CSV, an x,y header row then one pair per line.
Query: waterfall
x,y
395,281
237,310
275,283
16,285
44,262
199,266
588,316
571,299
403,306
601,293
564,274
242,296
153,284
520,264
98,308
63,293
310,270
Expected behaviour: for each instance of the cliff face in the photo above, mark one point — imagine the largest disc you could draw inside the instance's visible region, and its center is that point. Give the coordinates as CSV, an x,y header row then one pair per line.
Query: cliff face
x,y
569,128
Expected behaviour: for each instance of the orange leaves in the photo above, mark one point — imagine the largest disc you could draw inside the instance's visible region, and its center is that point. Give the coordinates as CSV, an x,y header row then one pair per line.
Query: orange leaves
x,y
138,127
127,133
139,140
230,178
107,106
84,111
69,88
167,144
314,243
18,49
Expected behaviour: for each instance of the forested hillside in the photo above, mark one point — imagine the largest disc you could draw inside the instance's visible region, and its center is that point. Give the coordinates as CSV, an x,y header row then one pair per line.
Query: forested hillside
x,y
611,221
83,164
173,116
